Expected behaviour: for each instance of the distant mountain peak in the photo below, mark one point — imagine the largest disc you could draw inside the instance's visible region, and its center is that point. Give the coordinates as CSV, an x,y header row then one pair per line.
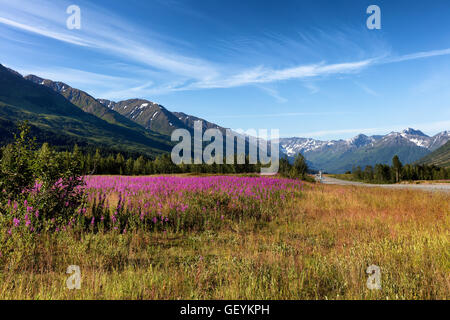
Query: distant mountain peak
x,y
360,140
443,134
413,132
58,86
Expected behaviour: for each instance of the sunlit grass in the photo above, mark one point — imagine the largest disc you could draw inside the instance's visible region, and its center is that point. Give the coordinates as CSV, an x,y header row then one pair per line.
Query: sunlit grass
x,y
318,246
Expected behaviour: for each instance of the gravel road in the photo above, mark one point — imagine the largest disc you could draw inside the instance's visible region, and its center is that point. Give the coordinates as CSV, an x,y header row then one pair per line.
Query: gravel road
x,y
444,187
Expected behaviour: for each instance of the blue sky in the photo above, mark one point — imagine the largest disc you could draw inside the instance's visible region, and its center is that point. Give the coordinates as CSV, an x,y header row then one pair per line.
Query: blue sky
x,y
308,68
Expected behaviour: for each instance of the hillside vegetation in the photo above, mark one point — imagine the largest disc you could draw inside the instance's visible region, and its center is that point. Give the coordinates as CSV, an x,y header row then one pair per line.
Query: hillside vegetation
x,y
54,119
440,157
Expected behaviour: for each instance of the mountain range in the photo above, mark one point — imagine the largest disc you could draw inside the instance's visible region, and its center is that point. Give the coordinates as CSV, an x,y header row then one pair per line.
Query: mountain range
x,y
338,156
56,119
132,113
64,116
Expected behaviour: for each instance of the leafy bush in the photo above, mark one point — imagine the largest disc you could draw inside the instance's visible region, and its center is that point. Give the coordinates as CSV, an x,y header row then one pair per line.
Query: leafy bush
x,y
39,188
16,173
298,170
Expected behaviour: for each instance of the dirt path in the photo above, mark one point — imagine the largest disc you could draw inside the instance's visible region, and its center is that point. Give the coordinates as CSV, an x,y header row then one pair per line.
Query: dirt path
x,y
444,187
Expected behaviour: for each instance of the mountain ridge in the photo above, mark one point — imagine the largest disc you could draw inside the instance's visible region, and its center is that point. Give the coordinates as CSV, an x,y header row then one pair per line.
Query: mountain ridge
x,y
146,118
56,118
439,157
338,156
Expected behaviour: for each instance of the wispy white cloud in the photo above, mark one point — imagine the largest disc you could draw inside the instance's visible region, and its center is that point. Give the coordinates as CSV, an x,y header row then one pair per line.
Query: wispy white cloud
x,y
118,39
266,75
71,76
154,52
45,33
366,89
273,93
418,55
312,87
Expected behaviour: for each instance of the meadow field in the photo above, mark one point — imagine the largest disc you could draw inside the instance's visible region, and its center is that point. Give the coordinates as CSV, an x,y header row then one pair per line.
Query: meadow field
x,y
231,237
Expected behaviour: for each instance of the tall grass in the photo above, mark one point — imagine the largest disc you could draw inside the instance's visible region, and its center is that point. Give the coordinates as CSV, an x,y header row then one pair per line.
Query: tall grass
x,y
317,244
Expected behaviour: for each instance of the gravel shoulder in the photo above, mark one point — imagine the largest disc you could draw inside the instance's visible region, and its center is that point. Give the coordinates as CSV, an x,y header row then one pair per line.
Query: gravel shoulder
x,y
444,187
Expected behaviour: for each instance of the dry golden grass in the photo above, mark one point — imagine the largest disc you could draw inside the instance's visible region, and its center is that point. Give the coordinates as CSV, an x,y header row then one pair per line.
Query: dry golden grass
x,y
318,248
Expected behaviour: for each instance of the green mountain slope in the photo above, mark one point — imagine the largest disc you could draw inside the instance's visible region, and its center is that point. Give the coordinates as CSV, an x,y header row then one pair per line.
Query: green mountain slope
x,y
439,157
52,115
148,114
86,102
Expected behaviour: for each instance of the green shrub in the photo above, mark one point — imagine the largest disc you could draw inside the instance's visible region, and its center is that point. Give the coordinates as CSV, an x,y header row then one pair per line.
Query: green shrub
x,y
39,188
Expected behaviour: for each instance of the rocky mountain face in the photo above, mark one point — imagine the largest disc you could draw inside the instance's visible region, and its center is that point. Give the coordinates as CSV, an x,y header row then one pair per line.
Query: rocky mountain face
x,y
156,117
148,114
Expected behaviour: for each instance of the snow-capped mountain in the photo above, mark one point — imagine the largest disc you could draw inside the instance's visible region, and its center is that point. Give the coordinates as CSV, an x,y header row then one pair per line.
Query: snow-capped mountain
x,y
362,150
148,114
293,146
439,140
155,117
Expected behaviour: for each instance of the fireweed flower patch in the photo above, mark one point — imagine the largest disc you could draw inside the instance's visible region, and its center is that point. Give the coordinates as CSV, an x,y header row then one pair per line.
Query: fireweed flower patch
x,y
120,203
183,203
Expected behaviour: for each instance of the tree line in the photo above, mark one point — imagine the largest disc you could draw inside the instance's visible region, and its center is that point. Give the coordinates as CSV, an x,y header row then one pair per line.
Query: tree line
x,y
118,164
397,172
102,162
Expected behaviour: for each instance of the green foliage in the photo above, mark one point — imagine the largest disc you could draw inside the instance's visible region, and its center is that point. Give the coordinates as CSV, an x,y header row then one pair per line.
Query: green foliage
x,y
42,183
16,165
383,173
397,167
298,170
60,178
117,164
357,173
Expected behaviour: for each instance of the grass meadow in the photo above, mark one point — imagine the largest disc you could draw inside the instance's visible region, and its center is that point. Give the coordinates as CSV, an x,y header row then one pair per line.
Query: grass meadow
x,y
233,239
